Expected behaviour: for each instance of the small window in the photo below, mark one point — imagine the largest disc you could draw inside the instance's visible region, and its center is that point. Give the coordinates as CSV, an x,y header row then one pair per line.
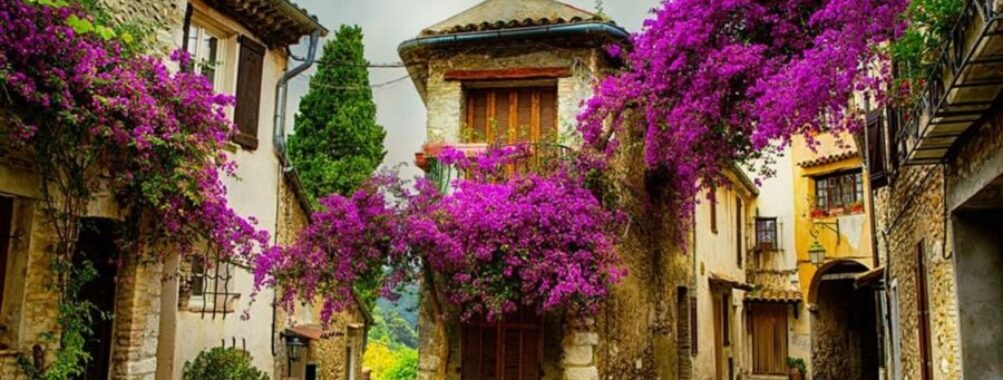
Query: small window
x,y
766,234
205,49
209,286
840,193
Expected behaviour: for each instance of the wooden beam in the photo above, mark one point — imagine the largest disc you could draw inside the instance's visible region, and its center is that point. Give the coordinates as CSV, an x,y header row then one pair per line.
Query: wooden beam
x,y
523,73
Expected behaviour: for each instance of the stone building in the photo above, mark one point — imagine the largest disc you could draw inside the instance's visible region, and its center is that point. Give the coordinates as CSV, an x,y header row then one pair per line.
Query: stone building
x,y
938,175
833,243
515,71
164,314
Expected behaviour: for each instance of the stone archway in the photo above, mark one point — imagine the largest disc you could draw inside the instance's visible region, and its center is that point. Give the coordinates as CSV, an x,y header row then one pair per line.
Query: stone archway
x,y
844,328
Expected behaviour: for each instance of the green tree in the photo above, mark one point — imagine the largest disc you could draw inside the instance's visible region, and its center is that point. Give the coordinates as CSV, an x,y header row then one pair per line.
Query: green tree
x,y
337,144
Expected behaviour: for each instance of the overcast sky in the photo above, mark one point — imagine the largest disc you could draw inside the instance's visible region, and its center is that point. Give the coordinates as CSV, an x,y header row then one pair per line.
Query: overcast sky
x,y
387,23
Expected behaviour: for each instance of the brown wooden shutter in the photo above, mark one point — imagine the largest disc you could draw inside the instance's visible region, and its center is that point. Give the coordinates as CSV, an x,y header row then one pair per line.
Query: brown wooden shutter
x,y
738,231
511,115
923,306
249,72
876,149
6,222
713,210
694,336
508,350
548,115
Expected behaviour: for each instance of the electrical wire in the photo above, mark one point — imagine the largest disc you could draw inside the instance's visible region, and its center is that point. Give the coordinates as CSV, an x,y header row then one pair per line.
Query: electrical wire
x,y
381,85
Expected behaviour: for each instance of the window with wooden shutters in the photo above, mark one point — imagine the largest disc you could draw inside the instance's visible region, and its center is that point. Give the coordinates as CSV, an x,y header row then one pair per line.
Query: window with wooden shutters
x,y
511,349
769,338
876,156
6,229
713,210
505,116
245,113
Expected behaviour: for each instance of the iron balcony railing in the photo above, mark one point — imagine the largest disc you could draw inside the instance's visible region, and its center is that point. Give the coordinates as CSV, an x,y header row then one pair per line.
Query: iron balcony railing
x,y
961,88
537,158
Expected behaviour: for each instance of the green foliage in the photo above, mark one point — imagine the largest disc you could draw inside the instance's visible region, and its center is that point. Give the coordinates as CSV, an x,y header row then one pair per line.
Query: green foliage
x,y
337,144
796,363
405,368
917,50
391,328
75,320
222,364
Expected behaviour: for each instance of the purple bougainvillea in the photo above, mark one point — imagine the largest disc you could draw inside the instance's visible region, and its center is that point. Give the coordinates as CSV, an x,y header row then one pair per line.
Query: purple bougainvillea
x,y
709,82
525,241
99,118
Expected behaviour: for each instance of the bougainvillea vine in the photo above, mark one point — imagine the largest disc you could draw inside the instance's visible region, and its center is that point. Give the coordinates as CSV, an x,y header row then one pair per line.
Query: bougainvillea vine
x,y
523,241
95,117
710,82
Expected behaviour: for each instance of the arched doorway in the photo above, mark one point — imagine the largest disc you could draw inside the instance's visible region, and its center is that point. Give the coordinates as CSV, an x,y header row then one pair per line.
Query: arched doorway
x,y
844,328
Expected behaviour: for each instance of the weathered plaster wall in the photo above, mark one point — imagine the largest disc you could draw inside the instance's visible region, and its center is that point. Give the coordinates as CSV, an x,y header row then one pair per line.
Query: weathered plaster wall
x,y
717,252
980,291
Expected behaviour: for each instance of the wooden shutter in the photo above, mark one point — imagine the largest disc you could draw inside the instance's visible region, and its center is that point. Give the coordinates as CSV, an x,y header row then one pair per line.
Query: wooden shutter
x,y
769,338
923,306
505,116
249,71
713,210
694,336
508,350
738,231
6,222
876,149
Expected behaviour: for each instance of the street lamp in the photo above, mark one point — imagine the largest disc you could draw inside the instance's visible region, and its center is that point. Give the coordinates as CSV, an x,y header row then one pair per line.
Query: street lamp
x,y
293,346
816,253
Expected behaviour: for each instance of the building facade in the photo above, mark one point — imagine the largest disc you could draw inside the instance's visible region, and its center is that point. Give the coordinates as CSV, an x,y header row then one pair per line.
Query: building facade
x,y
165,314
938,169
507,72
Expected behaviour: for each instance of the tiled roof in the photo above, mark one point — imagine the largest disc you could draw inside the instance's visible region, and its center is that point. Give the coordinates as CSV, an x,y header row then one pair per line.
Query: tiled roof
x,y
728,281
827,159
276,22
312,332
505,14
773,295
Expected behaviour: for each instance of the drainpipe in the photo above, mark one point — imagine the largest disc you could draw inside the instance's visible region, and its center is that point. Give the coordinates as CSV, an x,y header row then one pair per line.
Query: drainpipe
x,y
279,138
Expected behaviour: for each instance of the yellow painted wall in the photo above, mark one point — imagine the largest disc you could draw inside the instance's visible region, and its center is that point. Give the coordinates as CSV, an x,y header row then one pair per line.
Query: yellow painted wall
x,y
854,239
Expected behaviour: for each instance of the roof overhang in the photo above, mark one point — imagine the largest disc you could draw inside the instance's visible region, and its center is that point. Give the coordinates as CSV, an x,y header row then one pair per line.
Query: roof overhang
x,y
724,280
278,23
415,52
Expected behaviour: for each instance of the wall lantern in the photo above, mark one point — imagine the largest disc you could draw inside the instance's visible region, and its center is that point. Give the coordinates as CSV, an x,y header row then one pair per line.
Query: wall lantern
x,y
293,345
816,252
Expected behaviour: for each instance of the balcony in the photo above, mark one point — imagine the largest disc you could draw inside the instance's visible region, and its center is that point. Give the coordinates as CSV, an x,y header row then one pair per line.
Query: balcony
x,y
537,158
961,88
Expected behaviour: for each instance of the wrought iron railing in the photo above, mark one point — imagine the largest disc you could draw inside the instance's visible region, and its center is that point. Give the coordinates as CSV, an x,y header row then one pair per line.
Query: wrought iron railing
x,y
967,47
537,158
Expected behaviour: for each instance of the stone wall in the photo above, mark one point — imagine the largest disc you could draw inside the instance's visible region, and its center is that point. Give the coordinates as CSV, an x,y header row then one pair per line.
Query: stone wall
x,y
913,210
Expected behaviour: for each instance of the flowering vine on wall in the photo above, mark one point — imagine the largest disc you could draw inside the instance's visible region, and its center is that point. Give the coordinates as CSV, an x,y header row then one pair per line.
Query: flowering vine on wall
x,y
711,82
92,116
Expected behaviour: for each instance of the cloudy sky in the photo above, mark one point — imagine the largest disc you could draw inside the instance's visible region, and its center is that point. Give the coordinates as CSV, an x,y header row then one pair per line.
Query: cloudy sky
x,y
386,23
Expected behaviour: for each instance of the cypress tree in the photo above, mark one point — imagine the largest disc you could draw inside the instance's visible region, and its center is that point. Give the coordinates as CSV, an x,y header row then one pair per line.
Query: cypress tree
x,y
336,144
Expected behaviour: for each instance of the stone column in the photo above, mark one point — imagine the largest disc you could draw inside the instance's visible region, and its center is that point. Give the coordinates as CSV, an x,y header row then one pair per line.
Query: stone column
x,y
578,360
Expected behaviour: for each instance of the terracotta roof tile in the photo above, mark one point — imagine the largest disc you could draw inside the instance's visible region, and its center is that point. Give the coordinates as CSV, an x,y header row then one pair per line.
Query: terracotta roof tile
x,y
506,14
827,159
773,295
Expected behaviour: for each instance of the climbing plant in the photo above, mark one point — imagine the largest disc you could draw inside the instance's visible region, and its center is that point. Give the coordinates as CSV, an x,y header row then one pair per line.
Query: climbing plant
x,y
709,82
93,117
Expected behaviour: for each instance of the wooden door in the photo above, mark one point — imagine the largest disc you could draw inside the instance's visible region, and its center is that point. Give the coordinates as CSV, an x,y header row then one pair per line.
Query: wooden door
x,y
719,361
769,338
508,350
96,245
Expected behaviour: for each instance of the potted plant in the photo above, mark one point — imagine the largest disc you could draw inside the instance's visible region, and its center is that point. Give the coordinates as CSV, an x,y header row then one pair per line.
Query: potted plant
x,y
819,213
797,368
857,207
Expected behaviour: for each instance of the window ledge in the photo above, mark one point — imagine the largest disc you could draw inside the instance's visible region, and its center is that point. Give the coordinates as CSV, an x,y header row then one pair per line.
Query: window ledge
x,y
198,306
246,141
